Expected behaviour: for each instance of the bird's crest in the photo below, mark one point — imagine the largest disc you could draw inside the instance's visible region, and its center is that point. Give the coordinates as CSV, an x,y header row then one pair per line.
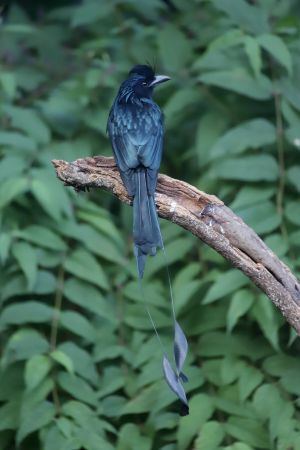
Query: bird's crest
x,y
144,70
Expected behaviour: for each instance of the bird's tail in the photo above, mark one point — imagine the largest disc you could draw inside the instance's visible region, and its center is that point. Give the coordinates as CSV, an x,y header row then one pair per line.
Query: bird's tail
x,y
146,231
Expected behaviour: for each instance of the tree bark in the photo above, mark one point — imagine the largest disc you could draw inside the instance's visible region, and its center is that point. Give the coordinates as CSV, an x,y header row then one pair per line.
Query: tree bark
x,y
206,217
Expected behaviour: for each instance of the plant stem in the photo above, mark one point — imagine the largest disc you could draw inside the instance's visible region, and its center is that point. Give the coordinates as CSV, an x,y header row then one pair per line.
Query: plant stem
x,y
280,152
57,308
54,331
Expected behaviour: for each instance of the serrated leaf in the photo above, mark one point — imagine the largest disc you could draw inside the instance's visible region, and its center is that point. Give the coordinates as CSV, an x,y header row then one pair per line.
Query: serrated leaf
x,y
84,265
29,121
226,283
131,433
9,415
40,416
167,38
293,176
12,188
250,431
267,319
78,324
263,218
246,168
26,312
26,256
292,212
239,80
239,305
249,379
36,369
22,345
42,236
254,54
201,409
17,140
251,134
77,387
210,436
82,361
63,359
276,47
247,16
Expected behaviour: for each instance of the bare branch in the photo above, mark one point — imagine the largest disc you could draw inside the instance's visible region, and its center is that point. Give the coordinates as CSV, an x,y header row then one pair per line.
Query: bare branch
x,y
207,218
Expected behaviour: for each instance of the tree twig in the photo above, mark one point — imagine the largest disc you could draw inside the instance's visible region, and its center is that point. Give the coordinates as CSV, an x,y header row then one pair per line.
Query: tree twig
x,y
207,218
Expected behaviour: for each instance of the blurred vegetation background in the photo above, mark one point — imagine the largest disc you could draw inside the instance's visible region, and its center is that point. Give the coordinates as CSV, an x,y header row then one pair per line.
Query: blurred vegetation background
x,y
80,367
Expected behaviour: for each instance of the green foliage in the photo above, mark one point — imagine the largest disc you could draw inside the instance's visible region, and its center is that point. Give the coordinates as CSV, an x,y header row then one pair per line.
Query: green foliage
x,y
80,368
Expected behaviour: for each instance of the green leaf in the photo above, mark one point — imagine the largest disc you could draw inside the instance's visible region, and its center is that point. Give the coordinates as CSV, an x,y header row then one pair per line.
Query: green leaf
x,y
210,127
292,212
201,409
78,324
226,283
42,236
249,17
175,251
40,416
53,439
95,242
84,265
130,433
9,415
36,369
26,312
249,195
89,12
263,218
249,431
240,303
251,134
29,122
77,388
219,344
63,359
17,140
249,379
12,188
210,436
293,176
246,168
171,37
89,298
239,80
82,361
253,52
26,256
23,344
277,48
268,320
5,243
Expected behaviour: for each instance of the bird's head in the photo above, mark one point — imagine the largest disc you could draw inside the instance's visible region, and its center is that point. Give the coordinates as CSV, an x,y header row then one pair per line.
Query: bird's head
x,y
142,80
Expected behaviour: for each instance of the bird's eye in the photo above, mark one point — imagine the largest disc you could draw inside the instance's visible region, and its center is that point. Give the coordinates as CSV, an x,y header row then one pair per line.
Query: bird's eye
x,y
144,83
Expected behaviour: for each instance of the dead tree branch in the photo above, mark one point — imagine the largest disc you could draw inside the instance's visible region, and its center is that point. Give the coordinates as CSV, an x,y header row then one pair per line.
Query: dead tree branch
x,y
207,218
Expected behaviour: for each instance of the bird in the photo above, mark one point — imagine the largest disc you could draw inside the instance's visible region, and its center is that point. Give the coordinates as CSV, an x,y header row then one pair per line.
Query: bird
x,y
136,131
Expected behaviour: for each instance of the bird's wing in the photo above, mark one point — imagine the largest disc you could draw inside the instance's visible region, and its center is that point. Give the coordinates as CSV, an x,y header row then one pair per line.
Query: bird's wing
x,y
137,140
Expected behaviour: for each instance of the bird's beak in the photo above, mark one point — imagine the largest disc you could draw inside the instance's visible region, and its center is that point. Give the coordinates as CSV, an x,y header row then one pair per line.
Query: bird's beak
x,y
159,79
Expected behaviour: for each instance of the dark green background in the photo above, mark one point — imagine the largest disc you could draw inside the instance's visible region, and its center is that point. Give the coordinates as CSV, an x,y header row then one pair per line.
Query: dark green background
x,y
80,367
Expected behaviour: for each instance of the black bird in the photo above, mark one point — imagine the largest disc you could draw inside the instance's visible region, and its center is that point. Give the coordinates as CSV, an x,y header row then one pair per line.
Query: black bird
x,y
135,128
